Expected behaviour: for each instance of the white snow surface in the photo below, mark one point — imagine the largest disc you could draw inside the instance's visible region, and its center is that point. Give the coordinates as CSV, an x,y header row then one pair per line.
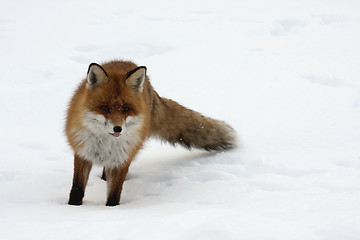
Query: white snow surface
x,y
285,74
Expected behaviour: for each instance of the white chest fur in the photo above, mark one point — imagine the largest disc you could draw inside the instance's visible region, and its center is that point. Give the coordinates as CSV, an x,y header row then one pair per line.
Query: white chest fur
x,y
100,147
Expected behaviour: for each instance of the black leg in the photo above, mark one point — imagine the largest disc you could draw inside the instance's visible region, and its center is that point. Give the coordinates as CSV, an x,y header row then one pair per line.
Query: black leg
x,y
82,169
103,176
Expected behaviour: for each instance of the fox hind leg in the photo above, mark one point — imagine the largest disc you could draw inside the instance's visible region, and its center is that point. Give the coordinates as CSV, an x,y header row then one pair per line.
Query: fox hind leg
x,y
103,176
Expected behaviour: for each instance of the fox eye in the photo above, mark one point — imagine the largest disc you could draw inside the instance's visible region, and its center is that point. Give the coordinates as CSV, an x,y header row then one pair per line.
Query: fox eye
x,y
125,109
106,108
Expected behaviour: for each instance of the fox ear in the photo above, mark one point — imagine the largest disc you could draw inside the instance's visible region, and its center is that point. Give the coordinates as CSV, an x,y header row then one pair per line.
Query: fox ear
x,y
135,78
96,76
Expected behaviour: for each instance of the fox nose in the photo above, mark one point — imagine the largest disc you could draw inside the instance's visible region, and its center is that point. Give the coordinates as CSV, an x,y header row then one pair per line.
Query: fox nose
x,y
117,129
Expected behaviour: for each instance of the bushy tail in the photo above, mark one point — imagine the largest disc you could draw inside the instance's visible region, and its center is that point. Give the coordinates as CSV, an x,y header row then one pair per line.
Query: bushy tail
x,y
179,125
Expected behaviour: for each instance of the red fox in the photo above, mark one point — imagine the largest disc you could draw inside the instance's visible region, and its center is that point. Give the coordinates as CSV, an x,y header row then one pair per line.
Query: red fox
x,y
114,110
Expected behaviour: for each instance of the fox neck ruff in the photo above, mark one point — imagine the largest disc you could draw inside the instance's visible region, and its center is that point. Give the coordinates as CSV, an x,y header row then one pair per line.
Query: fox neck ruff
x,y
98,145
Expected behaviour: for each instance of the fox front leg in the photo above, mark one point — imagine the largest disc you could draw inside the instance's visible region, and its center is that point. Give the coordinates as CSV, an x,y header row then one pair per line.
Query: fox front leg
x,y
82,170
115,178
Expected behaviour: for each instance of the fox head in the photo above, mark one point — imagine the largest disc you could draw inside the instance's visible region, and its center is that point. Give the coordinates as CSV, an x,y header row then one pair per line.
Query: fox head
x,y
113,102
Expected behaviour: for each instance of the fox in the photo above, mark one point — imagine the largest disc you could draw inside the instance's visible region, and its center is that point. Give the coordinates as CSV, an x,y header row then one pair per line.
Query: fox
x,y
114,111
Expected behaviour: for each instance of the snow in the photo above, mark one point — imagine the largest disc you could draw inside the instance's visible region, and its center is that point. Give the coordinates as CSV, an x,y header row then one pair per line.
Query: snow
x,y
284,74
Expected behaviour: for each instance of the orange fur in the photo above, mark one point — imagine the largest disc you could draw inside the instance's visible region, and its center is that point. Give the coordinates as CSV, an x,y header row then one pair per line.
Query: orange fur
x,y
118,93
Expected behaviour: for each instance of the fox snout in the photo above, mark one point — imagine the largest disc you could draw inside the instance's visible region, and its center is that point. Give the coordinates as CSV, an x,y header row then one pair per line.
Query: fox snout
x,y
115,124
117,129
114,129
